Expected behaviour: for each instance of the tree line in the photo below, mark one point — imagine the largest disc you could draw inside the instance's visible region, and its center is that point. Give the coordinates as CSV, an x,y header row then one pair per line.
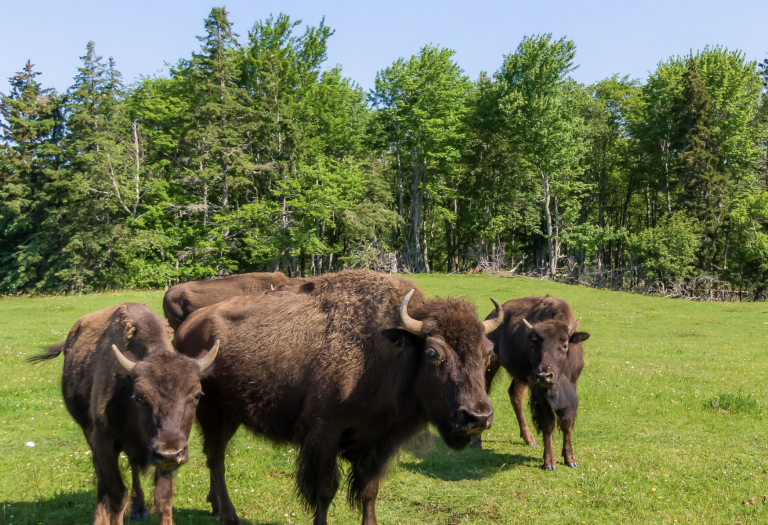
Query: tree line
x,y
252,154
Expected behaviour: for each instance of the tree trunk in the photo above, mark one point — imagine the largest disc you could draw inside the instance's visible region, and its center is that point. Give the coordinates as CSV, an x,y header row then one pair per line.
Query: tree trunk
x,y
448,246
552,268
416,256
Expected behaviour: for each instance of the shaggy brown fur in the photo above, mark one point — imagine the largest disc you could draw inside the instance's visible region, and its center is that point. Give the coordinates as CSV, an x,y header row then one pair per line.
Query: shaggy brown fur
x,y
548,360
183,299
148,413
330,370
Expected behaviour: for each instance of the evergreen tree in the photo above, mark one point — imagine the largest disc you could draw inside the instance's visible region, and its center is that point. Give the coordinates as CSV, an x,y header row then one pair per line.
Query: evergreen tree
x,y
87,191
30,130
702,174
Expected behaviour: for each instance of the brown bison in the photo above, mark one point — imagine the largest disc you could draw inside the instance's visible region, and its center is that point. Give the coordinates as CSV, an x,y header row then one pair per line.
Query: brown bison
x,y
353,365
130,391
540,346
183,299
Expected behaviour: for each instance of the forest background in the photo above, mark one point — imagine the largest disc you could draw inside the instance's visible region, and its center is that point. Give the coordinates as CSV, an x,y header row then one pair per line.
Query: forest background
x,y
254,155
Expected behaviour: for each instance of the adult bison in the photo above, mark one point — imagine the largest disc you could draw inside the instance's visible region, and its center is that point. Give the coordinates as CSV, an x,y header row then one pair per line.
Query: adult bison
x,y
129,391
353,365
183,299
540,346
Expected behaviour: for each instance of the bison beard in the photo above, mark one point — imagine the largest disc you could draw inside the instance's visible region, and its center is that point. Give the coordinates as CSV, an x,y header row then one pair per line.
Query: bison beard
x,y
331,370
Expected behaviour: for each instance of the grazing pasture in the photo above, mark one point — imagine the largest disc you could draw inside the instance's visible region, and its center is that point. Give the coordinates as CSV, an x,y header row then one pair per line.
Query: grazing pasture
x,y
650,445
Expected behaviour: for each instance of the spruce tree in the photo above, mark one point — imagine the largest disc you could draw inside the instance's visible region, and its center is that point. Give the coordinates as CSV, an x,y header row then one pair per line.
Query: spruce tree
x,y
29,153
702,175
220,116
88,189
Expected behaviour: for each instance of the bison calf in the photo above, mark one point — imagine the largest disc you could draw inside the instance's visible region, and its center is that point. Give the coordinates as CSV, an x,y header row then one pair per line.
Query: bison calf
x,y
129,391
540,346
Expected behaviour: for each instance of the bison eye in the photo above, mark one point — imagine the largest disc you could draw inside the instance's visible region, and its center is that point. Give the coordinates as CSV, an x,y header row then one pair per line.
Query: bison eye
x,y
432,355
198,395
140,399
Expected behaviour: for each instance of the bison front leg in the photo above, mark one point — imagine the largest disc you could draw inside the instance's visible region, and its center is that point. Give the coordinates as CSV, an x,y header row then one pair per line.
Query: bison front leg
x,y
545,422
138,505
490,373
565,422
318,472
517,392
217,432
111,492
367,470
164,488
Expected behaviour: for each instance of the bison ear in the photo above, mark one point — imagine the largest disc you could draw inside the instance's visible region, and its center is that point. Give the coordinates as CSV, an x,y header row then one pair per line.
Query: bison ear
x,y
401,338
578,337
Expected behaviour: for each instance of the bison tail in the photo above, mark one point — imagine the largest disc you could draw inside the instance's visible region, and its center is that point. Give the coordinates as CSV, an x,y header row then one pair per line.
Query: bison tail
x,y
52,352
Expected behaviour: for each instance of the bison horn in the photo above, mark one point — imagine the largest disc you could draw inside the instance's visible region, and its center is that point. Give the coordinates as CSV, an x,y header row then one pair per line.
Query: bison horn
x,y
492,324
124,361
528,325
574,326
206,361
406,321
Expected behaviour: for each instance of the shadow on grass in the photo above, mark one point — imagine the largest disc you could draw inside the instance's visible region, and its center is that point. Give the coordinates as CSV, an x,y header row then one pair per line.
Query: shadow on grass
x,y
469,464
78,507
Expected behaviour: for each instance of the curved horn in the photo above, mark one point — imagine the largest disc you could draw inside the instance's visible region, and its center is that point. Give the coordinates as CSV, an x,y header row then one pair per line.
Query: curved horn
x,y
528,325
406,321
207,360
124,361
492,324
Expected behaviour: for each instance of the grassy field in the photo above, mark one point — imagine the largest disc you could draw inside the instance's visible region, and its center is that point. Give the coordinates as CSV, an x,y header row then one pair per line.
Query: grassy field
x,y
650,446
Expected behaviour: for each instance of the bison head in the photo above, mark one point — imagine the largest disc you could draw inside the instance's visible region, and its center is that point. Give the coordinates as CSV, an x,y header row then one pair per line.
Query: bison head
x,y
551,342
452,351
166,390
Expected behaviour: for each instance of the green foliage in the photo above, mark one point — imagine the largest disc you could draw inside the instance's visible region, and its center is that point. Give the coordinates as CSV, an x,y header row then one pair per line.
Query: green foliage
x,y
421,108
253,154
734,403
668,250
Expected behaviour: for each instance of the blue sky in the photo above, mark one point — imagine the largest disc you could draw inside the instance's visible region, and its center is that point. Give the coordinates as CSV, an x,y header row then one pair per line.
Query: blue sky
x,y
611,37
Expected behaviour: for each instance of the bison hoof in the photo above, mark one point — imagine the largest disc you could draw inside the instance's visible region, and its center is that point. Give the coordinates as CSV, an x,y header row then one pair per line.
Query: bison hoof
x,y
572,465
549,467
532,444
139,516
477,445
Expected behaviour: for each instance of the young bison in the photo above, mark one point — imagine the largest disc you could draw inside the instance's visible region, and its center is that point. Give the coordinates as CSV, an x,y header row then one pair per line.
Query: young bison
x,y
352,365
540,346
129,391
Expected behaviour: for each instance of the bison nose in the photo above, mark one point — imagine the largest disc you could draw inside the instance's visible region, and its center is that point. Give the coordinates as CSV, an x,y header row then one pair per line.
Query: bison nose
x,y
170,457
477,418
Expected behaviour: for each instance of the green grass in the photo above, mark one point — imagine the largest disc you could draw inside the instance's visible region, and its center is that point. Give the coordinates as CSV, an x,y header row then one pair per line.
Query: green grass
x,y
650,447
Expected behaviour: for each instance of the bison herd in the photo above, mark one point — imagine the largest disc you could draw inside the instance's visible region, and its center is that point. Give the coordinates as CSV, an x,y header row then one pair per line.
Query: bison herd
x,y
350,364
